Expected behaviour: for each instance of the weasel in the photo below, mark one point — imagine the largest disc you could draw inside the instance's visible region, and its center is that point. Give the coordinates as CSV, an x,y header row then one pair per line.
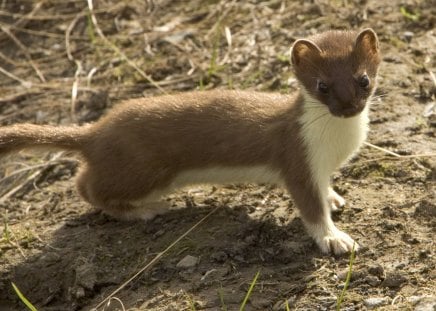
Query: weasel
x,y
145,148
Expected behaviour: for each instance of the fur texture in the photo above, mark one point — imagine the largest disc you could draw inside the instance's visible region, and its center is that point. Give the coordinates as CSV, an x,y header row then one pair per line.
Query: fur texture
x,y
145,148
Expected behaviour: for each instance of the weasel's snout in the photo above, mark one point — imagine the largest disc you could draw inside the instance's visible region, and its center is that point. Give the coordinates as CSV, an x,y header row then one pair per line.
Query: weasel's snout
x,y
347,111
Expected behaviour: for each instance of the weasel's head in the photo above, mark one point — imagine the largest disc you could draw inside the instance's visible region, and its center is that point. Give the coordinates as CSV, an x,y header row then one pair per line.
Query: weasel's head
x,y
338,68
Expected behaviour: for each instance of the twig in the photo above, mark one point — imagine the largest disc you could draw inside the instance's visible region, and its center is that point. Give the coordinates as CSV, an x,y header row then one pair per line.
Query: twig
x,y
433,78
221,17
26,84
117,300
15,97
17,244
411,156
7,31
383,149
23,19
10,193
32,167
155,259
74,90
40,32
68,35
118,51
32,16
9,60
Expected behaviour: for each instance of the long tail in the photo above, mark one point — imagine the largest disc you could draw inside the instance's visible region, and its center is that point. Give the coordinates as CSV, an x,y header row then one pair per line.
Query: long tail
x,y
22,136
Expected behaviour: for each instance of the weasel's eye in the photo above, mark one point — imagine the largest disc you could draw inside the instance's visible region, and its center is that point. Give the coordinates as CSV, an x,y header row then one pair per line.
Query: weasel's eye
x,y
322,87
364,81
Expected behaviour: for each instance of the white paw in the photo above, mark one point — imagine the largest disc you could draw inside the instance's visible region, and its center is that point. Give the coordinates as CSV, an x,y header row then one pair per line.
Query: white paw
x,y
330,239
148,211
134,211
335,200
338,243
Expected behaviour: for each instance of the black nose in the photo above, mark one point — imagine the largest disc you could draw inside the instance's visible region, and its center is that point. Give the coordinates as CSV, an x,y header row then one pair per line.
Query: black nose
x,y
352,111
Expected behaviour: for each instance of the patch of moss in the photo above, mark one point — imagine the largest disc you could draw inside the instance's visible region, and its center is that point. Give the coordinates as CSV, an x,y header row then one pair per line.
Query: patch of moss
x,y
397,42
375,170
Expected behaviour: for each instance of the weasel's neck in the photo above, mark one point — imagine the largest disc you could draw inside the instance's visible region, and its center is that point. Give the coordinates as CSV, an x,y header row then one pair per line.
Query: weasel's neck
x,y
329,140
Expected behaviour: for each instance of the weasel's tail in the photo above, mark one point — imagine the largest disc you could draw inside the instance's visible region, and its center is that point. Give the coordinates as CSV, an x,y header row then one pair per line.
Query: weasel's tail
x,y
22,136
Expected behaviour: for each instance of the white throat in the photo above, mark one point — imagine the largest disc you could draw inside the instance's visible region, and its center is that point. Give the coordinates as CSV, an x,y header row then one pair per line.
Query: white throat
x,y
330,140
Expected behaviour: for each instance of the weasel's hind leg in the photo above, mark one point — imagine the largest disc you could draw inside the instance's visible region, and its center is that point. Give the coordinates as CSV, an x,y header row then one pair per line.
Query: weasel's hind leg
x,y
335,201
119,196
81,183
130,211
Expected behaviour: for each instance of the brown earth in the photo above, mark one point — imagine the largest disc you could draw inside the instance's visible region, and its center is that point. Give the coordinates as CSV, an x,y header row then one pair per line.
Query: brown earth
x,y
64,256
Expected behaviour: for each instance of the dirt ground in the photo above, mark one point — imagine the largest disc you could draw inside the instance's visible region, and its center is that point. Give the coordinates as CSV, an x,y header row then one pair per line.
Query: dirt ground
x,y
57,68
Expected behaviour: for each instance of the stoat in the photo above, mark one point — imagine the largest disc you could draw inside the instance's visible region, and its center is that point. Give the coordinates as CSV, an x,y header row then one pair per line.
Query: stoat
x,y
145,148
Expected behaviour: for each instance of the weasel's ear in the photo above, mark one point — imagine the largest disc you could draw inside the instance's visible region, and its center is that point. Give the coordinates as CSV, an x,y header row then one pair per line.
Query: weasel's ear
x,y
303,49
367,42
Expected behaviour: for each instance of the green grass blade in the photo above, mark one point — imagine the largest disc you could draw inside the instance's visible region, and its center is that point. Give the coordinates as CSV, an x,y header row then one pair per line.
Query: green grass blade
x,y
287,305
23,299
191,303
412,16
90,28
247,296
6,234
221,295
347,279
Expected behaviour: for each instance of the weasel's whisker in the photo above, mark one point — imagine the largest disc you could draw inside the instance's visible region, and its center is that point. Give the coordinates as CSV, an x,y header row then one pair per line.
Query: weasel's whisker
x,y
324,129
316,119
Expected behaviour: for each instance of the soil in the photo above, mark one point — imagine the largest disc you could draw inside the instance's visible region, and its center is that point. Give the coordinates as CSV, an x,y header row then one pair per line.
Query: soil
x,y
63,255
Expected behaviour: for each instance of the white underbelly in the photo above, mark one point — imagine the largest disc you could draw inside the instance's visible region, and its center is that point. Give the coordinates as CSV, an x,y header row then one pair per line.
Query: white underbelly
x,y
216,176
227,175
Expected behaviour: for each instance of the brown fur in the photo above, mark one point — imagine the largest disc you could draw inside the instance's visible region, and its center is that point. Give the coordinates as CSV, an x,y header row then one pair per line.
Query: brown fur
x,y
143,144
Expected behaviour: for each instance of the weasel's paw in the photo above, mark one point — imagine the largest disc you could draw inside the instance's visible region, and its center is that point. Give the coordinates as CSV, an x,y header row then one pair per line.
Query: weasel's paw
x,y
149,211
335,200
131,211
330,239
337,242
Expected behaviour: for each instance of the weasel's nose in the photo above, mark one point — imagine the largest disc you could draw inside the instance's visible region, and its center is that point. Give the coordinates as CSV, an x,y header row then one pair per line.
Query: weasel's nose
x,y
352,111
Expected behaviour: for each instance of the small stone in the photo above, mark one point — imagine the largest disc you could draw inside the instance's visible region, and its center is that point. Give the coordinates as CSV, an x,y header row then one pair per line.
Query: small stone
x,y
355,274
408,35
86,275
219,256
187,262
372,280
425,209
158,233
376,270
260,303
423,303
394,279
80,292
375,302
281,305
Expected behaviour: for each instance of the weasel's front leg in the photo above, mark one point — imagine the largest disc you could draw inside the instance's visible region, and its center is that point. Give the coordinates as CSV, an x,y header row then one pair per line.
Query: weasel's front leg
x,y
315,212
329,238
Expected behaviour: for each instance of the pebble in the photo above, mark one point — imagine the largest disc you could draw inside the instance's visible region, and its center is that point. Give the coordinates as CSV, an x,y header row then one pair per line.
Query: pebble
x,y
355,274
375,302
187,262
80,292
394,279
424,303
372,280
408,35
86,276
281,305
219,256
376,270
